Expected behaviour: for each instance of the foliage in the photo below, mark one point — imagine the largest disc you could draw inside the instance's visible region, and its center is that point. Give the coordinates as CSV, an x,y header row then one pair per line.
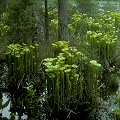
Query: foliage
x,y
100,34
18,19
3,46
101,40
22,60
65,78
103,44
103,35
22,68
78,26
54,28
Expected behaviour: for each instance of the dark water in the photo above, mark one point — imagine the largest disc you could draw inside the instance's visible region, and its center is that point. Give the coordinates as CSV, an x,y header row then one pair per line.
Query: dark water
x,y
107,100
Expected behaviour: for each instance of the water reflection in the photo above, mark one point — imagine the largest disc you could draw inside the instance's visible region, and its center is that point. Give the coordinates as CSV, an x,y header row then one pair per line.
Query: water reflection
x,y
6,111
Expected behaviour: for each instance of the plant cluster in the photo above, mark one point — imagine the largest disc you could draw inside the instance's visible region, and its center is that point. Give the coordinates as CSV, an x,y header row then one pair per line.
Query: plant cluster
x,y
22,63
102,44
102,39
22,59
102,35
66,79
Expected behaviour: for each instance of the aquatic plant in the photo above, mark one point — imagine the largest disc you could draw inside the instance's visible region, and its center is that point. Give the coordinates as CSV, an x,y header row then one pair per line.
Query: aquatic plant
x,y
65,78
22,60
22,64
59,46
102,44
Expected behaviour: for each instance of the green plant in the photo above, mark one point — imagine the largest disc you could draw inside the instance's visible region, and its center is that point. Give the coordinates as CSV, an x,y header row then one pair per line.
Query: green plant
x,y
54,28
22,60
77,25
102,44
16,21
58,46
65,77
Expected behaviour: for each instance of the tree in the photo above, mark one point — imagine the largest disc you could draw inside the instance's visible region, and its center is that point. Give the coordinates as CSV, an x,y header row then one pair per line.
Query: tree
x,y
63,33
19,18
46,21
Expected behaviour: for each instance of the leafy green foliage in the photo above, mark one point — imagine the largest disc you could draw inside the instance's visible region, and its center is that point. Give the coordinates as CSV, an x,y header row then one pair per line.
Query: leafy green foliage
x,y
23,81
20,22
64,77
21,59
103,35
110,5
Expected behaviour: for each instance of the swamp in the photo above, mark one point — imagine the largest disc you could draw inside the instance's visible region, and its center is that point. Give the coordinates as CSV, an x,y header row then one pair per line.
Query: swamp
x,y
60,60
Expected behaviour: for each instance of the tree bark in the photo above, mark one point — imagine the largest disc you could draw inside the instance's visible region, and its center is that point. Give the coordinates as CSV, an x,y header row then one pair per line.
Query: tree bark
x,y
46,21
63,33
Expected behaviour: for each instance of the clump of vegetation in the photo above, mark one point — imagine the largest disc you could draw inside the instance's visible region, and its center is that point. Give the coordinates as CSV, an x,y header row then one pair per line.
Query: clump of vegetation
x,y
65,79
22,60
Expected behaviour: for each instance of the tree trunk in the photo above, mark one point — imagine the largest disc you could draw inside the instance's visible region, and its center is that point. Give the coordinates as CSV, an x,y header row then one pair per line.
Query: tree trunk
x,y
63,33
46,21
